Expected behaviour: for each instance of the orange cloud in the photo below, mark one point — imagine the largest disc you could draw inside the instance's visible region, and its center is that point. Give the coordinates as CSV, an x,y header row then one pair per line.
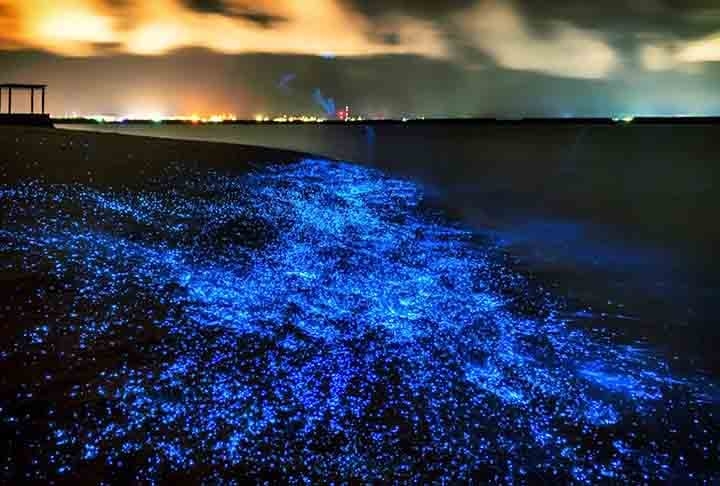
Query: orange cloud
x,y
67,27
77,27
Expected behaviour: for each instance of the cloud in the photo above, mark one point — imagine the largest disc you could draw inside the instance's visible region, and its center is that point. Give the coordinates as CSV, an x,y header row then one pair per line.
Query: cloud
x,y
74,27
681,55
225,7
657,58
65,26
208,6
702,50
496,28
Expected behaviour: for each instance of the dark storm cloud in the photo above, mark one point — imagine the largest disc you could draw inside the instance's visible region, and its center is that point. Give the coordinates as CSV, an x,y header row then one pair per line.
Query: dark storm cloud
x,y
421,8
262,19
628,17
207,6
566,37
623,20
391,39
225,8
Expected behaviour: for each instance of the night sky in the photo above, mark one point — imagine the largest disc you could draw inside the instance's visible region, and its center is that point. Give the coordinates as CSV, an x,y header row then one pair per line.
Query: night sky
x,y
382,57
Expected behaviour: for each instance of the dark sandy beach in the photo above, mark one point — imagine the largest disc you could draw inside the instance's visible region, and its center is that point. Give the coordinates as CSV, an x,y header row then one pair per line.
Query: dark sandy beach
x,y
64,157
189,311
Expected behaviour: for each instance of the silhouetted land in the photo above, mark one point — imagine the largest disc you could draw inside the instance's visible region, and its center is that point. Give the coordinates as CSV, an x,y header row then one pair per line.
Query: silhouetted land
x,y
644,120
64,157
25,120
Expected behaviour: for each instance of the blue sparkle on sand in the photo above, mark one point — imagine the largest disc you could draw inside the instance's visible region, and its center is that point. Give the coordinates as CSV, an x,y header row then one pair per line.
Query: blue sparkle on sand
x,y
313,321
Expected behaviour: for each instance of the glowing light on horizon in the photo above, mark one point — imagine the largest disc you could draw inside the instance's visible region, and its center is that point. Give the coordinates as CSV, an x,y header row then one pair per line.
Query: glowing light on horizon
x,y
291,119
156,117
153,116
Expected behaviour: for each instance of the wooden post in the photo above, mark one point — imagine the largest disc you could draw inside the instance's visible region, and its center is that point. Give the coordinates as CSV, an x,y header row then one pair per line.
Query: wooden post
x,y
43,100
32,101
0,100
9,101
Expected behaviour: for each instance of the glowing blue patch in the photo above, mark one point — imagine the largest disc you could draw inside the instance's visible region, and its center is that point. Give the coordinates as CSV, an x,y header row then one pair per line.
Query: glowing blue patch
x,y
316,321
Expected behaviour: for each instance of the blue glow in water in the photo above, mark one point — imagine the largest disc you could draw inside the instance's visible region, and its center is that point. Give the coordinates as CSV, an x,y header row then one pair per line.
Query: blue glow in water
x,y
313,321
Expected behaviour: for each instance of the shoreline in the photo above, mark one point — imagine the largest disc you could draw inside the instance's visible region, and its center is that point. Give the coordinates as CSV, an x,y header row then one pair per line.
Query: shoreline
x,y
653,183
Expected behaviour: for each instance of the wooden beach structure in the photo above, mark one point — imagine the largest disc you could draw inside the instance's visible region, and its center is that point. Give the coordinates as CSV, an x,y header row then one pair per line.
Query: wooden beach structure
x,y
7,117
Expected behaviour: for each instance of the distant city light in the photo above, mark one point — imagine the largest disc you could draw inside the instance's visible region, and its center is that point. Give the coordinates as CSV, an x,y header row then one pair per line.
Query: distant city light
x,y
343,115
155,117
104,118
294,119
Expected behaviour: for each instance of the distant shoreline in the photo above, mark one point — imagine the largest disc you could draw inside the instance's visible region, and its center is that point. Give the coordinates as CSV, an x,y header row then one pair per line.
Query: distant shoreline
x,y
674,120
